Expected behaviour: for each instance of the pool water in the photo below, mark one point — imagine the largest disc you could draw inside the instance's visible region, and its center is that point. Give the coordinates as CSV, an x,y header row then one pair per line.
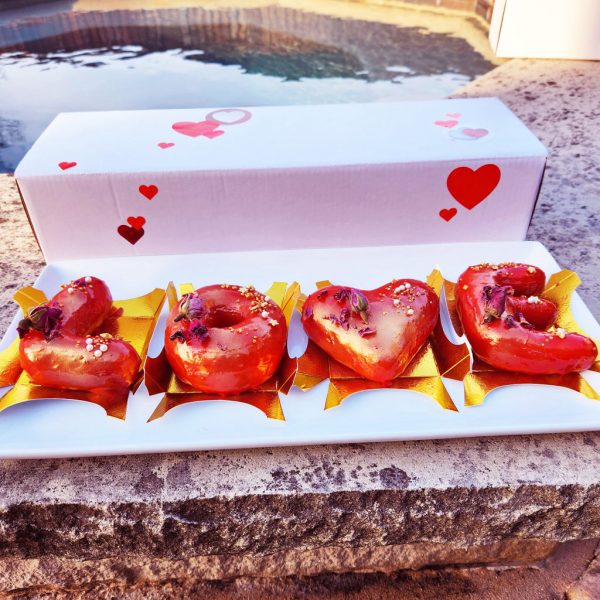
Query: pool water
x,y
114,55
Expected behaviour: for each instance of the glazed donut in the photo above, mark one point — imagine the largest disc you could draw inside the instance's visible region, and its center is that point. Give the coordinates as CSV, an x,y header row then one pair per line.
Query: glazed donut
x,y
60,346
510,327
225,338
376,333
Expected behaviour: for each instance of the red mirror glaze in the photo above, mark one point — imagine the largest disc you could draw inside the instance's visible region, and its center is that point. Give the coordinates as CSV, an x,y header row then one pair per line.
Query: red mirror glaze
x,y
507,323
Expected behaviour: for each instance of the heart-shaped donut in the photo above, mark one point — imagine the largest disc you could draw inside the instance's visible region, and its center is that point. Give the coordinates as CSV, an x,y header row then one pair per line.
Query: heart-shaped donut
x,y
373,332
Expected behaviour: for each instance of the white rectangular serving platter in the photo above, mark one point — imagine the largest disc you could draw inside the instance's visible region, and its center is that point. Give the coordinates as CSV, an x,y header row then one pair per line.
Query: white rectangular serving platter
x,y
62,428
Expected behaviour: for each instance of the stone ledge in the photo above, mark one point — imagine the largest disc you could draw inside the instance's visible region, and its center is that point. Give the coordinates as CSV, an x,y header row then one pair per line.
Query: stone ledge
x,y
126,577
73,572
267,524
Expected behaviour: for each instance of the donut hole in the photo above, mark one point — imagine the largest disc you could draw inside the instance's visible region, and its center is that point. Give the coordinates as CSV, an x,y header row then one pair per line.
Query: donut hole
x,y
221,317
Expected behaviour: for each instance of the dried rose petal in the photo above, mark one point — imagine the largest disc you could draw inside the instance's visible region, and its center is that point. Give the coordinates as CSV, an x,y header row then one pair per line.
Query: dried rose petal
x,y
342,294
358,301
494,298
191,307
198,330
335,320
45,318
365,331
178,335
345,318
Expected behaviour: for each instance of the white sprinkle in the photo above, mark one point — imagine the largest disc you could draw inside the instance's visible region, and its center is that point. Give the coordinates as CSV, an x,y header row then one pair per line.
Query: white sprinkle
x,y
264,314
267,298
407,285
243,290
531,269
410,312
89,347
533,300
70,290
88,279
561,333
273,322
89,341
97,353
396,302
399,289
103,348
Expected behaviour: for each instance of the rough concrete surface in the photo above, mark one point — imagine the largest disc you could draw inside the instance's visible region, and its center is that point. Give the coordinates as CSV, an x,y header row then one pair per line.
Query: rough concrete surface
x,y
170,526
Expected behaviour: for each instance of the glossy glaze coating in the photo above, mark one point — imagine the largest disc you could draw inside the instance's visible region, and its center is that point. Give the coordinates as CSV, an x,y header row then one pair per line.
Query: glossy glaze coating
x,y
84,304
64,362
511,328
375,333
64,352
225,338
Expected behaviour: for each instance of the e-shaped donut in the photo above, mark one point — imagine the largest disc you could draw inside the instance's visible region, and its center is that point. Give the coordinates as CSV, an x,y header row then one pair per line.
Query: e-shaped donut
x,y
225,338
511,328
59,345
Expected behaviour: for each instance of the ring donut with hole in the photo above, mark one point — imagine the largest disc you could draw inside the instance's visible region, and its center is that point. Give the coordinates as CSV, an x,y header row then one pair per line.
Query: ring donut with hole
x,y
62,345
225,338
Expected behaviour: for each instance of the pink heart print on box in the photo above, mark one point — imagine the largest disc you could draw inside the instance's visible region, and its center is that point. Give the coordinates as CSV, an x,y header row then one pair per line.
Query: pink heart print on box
x,y
469,134
461,132
213,121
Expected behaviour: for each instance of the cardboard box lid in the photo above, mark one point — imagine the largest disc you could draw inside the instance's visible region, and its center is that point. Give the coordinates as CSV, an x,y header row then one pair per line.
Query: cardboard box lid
x,y
548,29
278,137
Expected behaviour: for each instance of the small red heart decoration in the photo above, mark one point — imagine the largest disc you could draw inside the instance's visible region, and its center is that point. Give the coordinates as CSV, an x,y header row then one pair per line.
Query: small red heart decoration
x,y
67,165
205,128
453,115
136,222
165,145
469,187
131,234
376,333
446,124
475,133
448,213
148,191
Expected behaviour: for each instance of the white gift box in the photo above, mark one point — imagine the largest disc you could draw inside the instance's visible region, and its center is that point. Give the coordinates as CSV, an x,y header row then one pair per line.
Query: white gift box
x,y
546,29
109,184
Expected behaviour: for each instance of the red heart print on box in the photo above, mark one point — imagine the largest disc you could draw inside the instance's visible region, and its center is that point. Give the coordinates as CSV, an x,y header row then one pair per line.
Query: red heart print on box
x,y
67,165
470,187
131,234
447,124
448,213
136,222
148,191
165,145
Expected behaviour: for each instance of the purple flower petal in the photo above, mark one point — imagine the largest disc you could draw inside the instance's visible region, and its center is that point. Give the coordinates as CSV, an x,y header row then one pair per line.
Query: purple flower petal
x,y
45,318
342,294
494,298
366,331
